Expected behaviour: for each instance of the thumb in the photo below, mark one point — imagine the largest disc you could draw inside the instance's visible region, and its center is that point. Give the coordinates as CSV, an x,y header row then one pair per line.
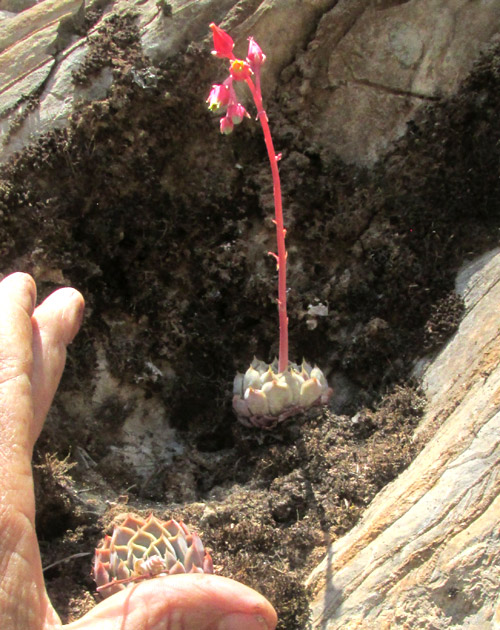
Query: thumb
x,y
176,602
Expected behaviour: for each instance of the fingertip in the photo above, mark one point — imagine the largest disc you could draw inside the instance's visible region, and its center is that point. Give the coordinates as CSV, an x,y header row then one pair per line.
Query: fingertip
x,y
73,313
21,287
61,313
247,621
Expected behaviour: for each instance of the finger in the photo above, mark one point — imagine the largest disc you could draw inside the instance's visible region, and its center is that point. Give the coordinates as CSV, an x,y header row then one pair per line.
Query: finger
x,y
191,601
17,300
55,323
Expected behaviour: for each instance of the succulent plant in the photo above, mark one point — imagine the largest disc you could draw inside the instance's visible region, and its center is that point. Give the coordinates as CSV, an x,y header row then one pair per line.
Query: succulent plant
x,y
263,396
142,548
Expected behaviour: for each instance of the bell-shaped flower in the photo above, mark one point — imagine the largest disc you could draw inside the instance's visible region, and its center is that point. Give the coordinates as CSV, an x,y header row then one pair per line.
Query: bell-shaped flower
x,y
236,113
218,97
240,70
255,56
223,43
226,125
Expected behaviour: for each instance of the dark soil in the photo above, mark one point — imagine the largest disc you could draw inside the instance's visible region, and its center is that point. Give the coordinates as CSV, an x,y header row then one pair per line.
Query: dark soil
x,y
164,226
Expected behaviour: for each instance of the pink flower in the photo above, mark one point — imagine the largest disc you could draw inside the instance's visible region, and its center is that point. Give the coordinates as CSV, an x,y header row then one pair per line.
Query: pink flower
x,y
223,42
218,97
240,70
236,112
226,125
255,56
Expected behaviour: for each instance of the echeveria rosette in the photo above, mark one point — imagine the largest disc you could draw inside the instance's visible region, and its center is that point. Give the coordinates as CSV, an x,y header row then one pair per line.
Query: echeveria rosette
x,y
142,548
264,397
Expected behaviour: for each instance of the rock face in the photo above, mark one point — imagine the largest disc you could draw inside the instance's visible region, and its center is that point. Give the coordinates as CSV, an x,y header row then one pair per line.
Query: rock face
x,y
362,67
371,65
427,553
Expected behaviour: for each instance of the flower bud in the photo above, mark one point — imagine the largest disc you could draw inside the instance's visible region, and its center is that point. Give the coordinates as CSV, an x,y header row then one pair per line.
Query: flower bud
x,y
255,56
226,125
223,43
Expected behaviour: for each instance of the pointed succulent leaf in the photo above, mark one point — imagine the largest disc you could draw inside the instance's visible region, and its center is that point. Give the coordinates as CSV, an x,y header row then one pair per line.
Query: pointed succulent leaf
x,y
278,396
260,366
310,392
317,373
267,377
256,402
240,407
306,369
294,381
238,388
251,379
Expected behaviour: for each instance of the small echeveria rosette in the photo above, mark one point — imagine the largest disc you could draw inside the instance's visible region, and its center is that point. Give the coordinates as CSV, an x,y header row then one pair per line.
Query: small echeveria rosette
x,y
264,397
144,548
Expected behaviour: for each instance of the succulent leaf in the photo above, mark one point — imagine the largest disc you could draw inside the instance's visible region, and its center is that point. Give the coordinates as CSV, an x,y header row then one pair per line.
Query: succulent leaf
x,y
256,401
310,392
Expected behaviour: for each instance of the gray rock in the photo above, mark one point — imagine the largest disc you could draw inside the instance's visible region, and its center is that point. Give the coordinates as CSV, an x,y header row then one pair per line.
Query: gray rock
x,y
360,68
427,551
15,6
372,65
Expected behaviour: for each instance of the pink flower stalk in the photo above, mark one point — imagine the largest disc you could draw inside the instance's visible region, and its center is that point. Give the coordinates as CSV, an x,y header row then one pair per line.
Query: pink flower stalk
x,y
243,70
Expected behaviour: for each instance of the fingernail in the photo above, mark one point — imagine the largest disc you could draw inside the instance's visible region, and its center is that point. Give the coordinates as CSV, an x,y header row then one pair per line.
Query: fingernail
x,y
242,621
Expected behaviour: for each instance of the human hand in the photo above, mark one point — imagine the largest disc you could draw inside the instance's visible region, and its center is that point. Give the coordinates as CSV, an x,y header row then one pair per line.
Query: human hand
x,y
33,345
